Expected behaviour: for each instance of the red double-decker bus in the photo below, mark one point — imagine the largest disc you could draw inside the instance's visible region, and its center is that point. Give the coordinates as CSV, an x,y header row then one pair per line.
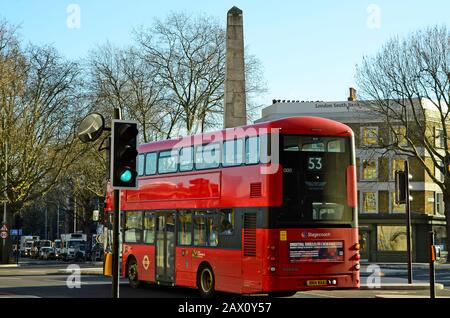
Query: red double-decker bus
x,y
264,208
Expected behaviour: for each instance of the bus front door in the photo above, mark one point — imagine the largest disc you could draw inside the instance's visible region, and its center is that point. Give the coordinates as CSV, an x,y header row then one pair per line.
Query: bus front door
x,y
165,248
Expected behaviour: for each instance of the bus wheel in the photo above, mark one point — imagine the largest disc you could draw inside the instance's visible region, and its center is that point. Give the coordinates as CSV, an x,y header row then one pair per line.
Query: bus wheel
x,y
206,281
283,294
132,273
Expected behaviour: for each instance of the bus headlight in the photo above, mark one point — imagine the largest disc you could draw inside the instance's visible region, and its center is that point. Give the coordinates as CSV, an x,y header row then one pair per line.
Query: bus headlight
x,y
357,266
273,269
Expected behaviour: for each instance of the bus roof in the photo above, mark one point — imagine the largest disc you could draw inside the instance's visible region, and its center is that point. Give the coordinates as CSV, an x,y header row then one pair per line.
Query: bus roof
x,y
290,125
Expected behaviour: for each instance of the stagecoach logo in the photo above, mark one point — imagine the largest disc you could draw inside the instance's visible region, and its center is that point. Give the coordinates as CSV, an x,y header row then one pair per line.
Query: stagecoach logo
x,y
314,235
145,262
197,254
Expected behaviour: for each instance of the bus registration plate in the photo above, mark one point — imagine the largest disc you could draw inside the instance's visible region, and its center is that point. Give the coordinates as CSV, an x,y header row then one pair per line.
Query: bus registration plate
x,y
316,282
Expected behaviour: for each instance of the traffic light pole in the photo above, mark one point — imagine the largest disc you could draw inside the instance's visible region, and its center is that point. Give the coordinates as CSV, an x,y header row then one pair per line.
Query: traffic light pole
x,y
116,265
408,224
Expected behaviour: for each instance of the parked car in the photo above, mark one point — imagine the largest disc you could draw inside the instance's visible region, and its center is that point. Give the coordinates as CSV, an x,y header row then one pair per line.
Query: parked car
x,y
37,245
47,253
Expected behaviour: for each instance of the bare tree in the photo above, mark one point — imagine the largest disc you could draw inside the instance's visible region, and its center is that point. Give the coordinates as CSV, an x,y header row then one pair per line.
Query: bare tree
x,y
189,55
408,84
121,79
39,99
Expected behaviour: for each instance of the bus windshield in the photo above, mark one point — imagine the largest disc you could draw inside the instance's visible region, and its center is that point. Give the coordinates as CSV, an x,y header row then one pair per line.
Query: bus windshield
x,y
314,180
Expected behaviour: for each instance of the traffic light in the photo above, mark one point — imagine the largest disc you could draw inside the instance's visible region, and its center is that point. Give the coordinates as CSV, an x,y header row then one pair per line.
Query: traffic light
x,y
401,186
123,154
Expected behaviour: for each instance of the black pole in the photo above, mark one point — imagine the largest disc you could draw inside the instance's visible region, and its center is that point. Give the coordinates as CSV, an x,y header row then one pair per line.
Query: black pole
x,y
116,265
432,272
17,248
408,224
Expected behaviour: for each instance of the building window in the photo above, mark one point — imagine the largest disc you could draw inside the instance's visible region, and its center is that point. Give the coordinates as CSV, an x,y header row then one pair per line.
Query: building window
x,y
369,202
149,228
439,204
369,169
369,136
438,138
399,136
133,227
396,208
437,172
397,164
185,228
391,238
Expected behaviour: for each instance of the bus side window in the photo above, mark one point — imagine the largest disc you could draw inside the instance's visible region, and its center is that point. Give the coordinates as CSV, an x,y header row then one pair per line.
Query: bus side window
x,y
133,227
184,228
232,152
252,150
149,228
226,219
187,158
150,163
212,230
199,229
141,162
207,156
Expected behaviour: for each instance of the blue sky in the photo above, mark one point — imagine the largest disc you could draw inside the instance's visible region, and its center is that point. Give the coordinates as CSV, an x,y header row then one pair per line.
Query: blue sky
x,y
309,49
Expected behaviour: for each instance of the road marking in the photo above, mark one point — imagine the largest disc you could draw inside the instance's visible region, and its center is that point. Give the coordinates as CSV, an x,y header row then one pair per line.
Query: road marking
x,y
316,294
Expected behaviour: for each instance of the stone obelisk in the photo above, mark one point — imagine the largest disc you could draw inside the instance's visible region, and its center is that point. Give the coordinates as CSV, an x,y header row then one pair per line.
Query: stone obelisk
x,y
235,113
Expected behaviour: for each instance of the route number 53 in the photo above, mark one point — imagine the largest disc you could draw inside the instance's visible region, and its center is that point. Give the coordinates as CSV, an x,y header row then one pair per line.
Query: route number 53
x,y
315,163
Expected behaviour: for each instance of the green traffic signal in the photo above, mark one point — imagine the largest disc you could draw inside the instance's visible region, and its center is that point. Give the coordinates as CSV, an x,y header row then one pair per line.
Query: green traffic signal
x,y
126,176
123,154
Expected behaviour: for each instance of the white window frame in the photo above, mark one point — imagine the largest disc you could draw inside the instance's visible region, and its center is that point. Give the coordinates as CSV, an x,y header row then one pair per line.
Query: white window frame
x,y
437,173
361,169
362,202
391,166
438,140
436,212
362,135
393,135
391,204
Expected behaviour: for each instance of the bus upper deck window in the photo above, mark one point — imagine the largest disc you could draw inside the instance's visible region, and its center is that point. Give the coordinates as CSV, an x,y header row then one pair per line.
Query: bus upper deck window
x,y
141,162
252,150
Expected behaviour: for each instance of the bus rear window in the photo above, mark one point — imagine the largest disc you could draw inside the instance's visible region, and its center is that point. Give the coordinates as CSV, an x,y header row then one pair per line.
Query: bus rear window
x,y
313,144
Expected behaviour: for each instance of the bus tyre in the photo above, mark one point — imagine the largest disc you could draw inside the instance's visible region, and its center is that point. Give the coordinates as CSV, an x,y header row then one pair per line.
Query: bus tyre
x,y
206,281
132,273
283,294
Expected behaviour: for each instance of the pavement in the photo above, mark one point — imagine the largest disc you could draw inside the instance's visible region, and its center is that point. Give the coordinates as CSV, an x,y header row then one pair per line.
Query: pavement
x,y
34,278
